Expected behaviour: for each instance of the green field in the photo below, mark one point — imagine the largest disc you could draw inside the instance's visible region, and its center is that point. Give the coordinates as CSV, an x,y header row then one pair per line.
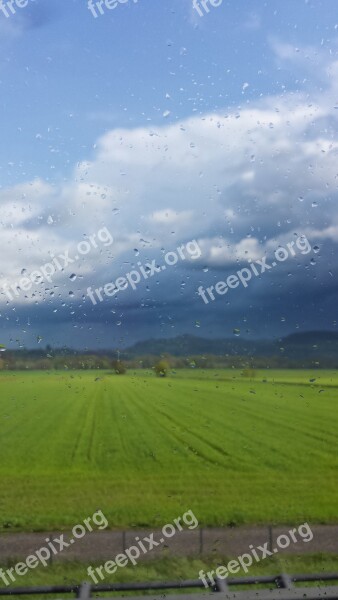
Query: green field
x,y
145,450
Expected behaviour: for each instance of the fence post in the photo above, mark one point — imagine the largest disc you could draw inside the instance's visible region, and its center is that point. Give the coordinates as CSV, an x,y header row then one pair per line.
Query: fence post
x,y
51,556
270,538
201,540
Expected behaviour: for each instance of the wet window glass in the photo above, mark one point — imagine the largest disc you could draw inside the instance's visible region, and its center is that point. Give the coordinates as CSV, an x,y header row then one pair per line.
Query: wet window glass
x,y
168,293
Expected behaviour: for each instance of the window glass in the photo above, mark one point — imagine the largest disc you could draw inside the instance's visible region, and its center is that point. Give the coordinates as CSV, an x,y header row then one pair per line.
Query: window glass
x,y
168,289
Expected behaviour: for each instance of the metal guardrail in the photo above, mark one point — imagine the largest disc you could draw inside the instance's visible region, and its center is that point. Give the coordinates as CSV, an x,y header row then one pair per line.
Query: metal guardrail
x,y
283,588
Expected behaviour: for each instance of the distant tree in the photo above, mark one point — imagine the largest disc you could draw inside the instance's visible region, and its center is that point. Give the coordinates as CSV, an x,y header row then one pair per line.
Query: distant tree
x,y
161,368
119,367
250,373
42,364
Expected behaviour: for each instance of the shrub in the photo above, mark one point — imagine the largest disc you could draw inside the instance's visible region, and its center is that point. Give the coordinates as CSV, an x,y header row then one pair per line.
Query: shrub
x,y
162,368
119,367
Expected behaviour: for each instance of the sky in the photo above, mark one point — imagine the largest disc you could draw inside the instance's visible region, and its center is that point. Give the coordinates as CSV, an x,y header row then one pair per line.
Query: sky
x,y
156,126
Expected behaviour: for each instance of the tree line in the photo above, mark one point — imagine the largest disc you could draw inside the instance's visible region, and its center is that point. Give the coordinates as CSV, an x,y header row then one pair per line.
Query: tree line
x,y
65,359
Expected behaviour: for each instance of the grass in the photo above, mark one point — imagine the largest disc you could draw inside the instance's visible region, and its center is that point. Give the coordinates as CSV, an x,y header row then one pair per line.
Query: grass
x,y
145,450
175,569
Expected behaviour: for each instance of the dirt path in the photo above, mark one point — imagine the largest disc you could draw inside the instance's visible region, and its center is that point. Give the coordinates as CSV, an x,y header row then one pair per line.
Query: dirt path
x,y
104,545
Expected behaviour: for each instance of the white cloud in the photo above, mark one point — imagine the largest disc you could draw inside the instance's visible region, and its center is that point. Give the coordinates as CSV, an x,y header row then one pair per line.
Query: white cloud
x,y
218,252
23,202
167,216
236,181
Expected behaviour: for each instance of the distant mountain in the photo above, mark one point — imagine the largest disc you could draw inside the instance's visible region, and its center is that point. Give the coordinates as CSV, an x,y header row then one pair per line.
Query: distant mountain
x,y
307,345
311,349
312,337
320,345
188,345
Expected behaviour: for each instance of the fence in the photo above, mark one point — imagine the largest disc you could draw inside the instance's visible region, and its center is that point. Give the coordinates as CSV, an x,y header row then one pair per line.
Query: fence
x,y
282,588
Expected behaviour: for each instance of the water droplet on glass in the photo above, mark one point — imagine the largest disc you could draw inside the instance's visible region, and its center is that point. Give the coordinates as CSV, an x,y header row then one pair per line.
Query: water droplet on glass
x,y
72,277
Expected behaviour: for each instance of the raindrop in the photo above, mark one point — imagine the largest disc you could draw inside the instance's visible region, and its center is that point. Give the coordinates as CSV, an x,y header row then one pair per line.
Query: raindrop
x,y
236,332
72,277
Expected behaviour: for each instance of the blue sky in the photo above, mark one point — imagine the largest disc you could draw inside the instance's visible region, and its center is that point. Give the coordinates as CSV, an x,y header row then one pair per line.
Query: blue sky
x,y
208,128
